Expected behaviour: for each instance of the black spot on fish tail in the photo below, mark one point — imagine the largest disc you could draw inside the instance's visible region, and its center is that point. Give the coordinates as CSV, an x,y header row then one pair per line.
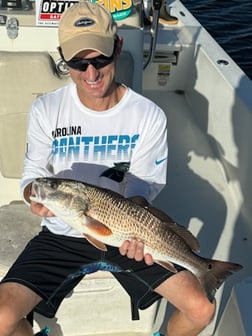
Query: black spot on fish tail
x,y
215,274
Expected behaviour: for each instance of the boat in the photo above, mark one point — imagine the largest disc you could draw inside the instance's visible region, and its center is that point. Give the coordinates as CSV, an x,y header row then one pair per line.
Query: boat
x,y
207,99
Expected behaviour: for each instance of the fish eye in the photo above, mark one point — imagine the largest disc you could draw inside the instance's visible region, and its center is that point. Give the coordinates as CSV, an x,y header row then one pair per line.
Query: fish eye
x,y
54,185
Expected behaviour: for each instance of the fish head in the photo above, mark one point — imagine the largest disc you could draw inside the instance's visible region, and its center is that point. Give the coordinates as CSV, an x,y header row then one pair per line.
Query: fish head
x,y
65,198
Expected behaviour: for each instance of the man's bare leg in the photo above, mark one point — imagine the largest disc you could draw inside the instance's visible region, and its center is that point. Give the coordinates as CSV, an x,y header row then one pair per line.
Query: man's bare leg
x,y
16,301
23,328
183,290
194,311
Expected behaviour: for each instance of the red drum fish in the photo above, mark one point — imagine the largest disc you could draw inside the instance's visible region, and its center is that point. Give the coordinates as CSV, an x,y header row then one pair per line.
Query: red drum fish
x,y
107,218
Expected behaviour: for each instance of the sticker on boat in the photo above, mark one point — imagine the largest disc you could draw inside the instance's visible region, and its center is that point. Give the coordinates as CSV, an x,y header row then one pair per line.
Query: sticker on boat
x,y
48,13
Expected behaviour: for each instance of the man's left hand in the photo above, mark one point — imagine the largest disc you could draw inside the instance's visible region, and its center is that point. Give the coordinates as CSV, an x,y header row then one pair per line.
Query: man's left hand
x,y
134,249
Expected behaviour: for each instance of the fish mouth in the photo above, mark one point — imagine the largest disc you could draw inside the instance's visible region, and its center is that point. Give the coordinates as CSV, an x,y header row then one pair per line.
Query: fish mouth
x,y
40,194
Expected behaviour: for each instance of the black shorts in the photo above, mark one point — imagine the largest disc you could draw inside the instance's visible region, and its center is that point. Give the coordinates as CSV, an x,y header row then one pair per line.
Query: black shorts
x,y
51,266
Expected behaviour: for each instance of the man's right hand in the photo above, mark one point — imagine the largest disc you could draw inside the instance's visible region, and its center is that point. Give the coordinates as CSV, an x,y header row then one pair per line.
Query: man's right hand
x,y
40,210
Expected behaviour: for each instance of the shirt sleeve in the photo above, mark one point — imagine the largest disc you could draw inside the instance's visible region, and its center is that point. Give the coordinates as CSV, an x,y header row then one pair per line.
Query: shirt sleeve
x,y
38,147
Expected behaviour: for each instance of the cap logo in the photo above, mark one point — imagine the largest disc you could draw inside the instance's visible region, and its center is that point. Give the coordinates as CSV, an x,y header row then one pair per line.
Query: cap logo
x,y
84,22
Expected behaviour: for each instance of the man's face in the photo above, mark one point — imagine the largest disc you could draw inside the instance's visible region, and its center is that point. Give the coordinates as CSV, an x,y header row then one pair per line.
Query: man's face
x,y
93,83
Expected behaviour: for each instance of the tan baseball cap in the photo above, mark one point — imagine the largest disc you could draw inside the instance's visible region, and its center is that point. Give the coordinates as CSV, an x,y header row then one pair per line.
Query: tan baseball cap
x,y
86,25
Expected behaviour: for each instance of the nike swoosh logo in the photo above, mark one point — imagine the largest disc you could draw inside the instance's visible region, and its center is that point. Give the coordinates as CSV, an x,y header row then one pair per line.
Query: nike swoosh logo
x,y
160,161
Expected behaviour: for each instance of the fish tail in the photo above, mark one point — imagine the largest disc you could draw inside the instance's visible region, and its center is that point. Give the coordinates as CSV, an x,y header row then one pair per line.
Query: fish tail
x,y
215,274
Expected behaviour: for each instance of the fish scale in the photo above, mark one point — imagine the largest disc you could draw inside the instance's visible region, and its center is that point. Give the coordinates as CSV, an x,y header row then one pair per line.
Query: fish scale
x,y
127,217
107,218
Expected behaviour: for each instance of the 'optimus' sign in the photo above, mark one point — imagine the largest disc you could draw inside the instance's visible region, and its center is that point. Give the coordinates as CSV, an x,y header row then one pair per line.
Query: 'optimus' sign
x,y
48,12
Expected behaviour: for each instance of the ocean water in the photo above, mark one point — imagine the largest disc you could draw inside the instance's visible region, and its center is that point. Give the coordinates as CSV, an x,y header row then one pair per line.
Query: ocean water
x,y
230,23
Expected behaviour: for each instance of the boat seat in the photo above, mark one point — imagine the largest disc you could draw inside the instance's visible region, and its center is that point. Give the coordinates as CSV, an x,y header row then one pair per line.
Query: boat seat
x,y
24,76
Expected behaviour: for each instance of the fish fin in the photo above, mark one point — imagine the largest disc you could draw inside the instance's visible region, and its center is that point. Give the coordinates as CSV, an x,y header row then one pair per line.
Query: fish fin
x,y
216,272
96,243
185,234
98,227
167,265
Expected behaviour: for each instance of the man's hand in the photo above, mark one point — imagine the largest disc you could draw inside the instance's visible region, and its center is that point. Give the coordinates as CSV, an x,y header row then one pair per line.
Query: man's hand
x,y
40,210
134,249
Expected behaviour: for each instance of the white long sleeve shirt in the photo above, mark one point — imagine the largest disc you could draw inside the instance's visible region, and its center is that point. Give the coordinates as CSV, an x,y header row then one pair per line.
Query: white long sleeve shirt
x,y
68,140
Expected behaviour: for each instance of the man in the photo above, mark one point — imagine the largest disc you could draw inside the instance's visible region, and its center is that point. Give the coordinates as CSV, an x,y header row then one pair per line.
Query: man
x,y
79,132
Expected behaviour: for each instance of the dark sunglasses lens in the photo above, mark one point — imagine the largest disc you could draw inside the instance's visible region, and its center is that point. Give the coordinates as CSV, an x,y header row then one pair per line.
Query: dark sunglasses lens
x,y
77,65
82,64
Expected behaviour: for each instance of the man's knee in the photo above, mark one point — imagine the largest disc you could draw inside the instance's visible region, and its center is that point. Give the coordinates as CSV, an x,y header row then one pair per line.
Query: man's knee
x,y
201,312
15,302
6,326
12,328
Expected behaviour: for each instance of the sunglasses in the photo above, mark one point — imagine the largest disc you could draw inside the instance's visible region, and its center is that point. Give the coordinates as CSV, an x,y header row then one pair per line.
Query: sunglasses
x,y
81,64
